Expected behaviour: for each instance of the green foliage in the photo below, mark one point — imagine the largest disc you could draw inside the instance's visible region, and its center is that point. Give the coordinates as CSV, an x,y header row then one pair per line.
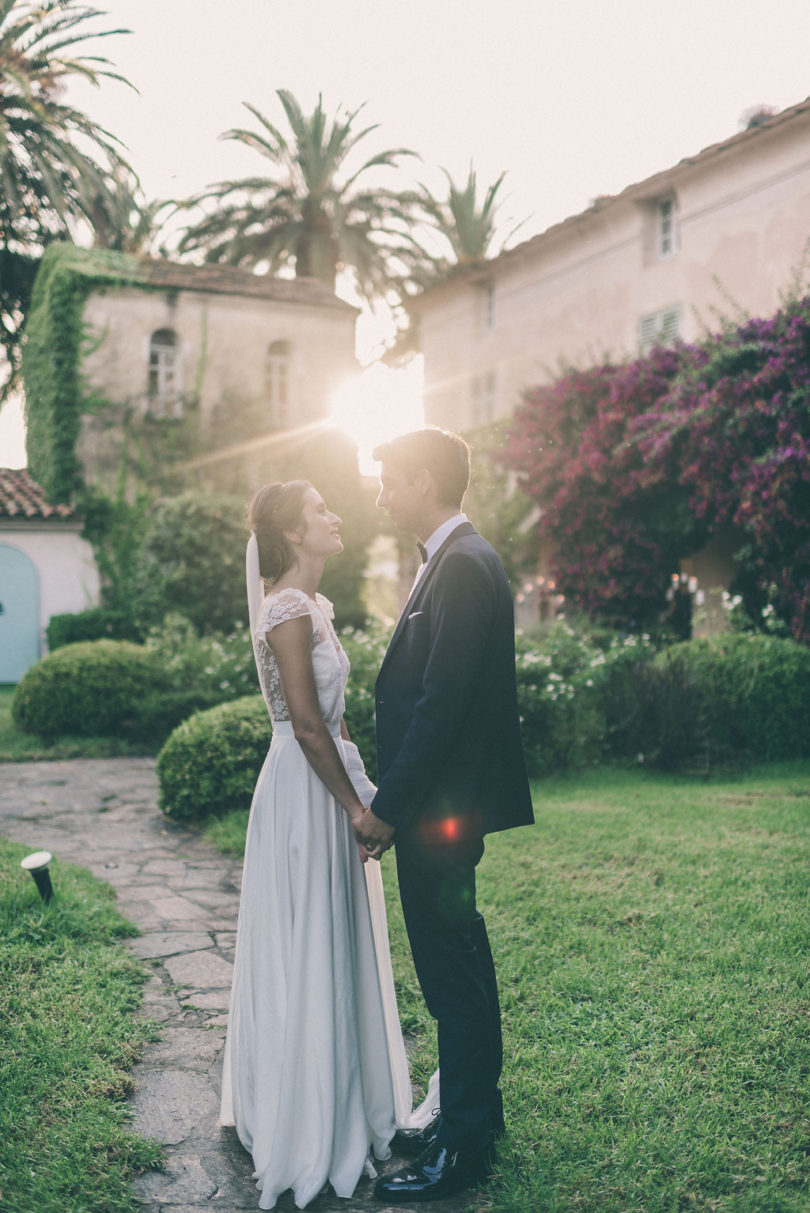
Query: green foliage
x,y
586,698
96,623
95,688
192,561
69,1034
727,696
135,692
464,222
572,695
115,525
312,211
210,763
498,509
18,746
217,667
365,649
634,467
52,176
54,336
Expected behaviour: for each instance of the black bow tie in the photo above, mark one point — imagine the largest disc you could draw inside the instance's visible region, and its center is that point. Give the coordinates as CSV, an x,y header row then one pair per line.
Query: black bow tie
x,y
422,552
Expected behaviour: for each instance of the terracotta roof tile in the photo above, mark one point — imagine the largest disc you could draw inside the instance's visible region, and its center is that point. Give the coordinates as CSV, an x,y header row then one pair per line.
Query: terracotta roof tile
x,y
21,497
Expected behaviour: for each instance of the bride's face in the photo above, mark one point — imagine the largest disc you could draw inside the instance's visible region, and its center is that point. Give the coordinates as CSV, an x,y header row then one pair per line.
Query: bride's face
x,y
318,532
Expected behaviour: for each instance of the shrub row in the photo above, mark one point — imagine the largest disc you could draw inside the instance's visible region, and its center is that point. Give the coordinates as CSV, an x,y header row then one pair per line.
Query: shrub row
x,y
584,698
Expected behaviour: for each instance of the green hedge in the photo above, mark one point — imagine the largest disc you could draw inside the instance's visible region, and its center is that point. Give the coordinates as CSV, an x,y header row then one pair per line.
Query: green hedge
x,y
584,699
96,623
730,696
92,689
105,688
210,763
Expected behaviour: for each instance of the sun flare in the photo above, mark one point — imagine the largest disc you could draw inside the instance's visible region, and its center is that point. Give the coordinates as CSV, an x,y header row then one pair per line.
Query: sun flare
x,y
376,405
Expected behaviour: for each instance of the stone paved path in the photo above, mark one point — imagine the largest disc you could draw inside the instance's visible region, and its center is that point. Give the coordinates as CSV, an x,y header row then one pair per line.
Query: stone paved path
x,y
102,814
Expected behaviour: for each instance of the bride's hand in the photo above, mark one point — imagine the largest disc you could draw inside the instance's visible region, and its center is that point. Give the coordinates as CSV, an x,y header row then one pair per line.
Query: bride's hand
x,y
368,850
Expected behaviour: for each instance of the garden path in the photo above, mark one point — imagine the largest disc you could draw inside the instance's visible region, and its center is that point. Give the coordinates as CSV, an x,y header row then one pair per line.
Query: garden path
x,y
102,815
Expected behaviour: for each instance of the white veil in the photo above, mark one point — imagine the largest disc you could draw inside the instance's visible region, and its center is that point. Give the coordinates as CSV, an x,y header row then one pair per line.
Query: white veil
x,y
254,585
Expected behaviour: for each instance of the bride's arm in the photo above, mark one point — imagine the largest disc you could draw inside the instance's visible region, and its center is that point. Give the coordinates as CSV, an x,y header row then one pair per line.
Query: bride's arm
x,y
291,642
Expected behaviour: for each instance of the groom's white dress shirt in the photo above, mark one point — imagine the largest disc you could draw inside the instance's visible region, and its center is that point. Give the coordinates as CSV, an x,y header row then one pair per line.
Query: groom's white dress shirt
x,y
435,541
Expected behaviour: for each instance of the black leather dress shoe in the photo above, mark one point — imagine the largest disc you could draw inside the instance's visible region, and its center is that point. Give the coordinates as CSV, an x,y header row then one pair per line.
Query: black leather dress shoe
x,y
436,1173
410,1143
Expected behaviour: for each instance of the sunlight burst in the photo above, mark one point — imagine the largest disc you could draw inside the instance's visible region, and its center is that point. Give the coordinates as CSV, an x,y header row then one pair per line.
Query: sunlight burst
x,y
378,404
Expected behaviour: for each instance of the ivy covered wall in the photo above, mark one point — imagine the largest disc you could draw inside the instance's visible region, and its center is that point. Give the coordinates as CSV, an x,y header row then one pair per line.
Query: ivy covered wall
x,y
51,360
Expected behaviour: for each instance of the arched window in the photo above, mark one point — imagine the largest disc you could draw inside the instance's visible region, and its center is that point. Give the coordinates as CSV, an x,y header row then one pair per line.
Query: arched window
x,y
164,373
277,383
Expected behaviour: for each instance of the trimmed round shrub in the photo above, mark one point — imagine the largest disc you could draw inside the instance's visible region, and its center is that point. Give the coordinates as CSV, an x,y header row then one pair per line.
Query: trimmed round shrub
x,y
93,689
210,763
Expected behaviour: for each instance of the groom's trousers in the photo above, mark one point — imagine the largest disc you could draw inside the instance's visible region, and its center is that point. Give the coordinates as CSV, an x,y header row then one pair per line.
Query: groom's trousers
x,y
454,965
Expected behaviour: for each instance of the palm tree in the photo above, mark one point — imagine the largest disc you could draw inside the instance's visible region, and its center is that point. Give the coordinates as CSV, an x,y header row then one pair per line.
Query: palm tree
x,y
310,212
48,148
462,221
121,218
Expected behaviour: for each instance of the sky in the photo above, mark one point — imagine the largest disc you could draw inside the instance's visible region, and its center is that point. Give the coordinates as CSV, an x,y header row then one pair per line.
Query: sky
x,y
573,99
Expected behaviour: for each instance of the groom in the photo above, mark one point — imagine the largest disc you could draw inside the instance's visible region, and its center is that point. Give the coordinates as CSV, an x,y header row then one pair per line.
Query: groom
x,y
450,769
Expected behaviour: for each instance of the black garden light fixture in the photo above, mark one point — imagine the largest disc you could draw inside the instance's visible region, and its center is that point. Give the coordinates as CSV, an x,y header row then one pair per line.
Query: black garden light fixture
x,y
37,865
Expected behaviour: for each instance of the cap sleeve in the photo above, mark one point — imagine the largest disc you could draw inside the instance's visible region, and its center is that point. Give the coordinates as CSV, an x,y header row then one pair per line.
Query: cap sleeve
x,y
278,608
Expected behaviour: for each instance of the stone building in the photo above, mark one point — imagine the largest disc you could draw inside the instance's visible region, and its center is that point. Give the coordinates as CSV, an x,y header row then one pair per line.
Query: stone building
x,y
721,232
243,356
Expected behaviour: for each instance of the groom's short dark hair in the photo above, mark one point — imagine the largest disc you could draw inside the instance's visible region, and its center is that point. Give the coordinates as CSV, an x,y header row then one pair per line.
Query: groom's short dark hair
x,y
446,456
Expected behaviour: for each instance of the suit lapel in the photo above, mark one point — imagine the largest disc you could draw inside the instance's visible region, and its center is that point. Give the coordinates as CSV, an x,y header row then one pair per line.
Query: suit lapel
x,y
464,528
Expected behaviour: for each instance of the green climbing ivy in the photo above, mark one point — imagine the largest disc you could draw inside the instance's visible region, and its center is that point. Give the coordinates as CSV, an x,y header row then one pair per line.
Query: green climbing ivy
x,y
51,359
55,340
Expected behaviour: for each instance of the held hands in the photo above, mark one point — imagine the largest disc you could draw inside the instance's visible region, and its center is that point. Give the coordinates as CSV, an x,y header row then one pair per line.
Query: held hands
x,y
374,836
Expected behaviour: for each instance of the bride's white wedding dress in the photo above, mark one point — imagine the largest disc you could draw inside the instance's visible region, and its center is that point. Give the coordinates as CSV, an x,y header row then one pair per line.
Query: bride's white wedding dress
x,y
315,1076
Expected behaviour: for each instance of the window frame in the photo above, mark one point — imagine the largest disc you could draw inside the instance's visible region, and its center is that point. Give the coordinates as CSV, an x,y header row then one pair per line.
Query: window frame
x,y
278,382
163,385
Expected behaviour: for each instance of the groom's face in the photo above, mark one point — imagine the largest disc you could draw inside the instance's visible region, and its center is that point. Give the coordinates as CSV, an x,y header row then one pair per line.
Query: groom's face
x,y
404,499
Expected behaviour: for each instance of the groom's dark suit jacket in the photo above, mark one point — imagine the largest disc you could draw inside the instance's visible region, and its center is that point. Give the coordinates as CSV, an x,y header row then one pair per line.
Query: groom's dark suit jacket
x,y
450,763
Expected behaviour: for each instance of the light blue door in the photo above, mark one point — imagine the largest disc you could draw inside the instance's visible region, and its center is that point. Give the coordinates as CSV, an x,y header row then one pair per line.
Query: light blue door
x,y
19,613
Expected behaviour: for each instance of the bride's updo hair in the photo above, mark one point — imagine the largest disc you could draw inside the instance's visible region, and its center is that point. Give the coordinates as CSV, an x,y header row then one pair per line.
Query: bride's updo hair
x,y
276,508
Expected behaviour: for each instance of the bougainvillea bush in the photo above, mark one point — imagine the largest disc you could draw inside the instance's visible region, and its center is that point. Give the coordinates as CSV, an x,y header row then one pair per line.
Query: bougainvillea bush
x,y
635,466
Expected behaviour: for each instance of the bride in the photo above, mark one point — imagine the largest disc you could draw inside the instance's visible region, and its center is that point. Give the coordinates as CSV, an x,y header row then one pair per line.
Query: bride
x,y
315,1076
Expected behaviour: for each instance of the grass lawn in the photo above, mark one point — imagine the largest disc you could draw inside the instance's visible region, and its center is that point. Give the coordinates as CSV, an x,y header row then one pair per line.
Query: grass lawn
x,y
16,746
652,937
68,1037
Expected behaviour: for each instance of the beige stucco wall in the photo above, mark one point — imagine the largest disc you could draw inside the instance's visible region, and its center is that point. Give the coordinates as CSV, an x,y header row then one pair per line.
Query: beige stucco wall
x,y
223,345
578,293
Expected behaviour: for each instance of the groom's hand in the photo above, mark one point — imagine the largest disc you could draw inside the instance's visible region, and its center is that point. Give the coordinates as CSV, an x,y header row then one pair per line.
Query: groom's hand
x,y
374,835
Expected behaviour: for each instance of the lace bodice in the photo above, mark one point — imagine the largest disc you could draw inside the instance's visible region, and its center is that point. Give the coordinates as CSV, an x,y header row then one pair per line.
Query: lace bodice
x,y
329,662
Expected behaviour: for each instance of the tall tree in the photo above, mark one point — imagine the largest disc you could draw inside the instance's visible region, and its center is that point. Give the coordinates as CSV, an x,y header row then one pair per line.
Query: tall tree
x,y
53,158
464,221
121,218
311,211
